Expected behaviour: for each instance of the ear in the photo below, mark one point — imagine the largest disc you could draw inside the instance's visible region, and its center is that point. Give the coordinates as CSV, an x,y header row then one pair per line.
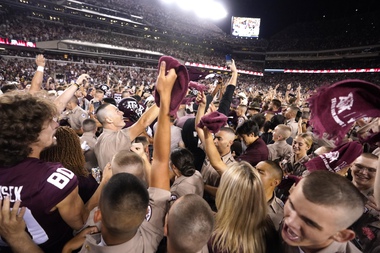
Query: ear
x,y
276,182
108,120
344,235
97,215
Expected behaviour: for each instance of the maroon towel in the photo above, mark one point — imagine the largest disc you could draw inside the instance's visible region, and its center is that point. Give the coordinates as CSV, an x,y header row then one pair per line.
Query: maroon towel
x,y
180,86
334,109
213,121
339,158
198,86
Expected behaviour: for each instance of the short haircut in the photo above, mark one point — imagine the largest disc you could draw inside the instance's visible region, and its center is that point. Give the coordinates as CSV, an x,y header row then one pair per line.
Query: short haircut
x,y
284,130
294,108
101,113
110,101
275,169
125,93
229,131
276,103
183,159
74,100
22,118
89,125
123,204
369,156
332,190
141,139
190,224
248,127
129,162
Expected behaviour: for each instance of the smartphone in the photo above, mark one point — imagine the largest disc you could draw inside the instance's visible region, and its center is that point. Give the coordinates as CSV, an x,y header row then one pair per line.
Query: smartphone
x,y
228,60
298,116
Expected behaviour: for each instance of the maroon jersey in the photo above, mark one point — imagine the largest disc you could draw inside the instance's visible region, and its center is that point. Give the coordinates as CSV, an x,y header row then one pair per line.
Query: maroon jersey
x,y
40,186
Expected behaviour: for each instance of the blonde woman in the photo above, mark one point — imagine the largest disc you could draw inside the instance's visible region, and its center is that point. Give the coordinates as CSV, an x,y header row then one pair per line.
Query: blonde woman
x,y
242,223
296,164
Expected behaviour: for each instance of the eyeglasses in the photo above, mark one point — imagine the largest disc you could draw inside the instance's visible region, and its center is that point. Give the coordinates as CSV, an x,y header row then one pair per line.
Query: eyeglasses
x,y
362,168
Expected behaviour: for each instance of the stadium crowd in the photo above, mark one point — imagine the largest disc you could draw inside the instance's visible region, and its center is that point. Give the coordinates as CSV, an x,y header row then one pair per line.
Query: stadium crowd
x,y
122,155
256,140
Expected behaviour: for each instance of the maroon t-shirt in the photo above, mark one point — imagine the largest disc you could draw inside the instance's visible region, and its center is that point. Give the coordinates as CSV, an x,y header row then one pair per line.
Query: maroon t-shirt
x,y
255,153
40,186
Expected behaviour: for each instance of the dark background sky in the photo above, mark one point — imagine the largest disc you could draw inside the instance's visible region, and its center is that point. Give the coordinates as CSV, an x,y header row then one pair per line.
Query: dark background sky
x,y
277,14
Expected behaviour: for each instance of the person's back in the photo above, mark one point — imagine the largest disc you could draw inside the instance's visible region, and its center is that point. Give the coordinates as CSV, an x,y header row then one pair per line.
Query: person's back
x,y
257,150
280,150
187,179
89,130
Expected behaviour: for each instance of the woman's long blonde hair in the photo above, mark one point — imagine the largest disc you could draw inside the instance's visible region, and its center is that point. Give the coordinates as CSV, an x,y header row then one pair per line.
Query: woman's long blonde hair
x,y
242,211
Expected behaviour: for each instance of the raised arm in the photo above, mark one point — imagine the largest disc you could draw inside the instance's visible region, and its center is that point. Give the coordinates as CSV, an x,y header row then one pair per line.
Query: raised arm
x,y
225,102
38,75
212,153
288,88
144,121
161,145
201,99
298,98
62,100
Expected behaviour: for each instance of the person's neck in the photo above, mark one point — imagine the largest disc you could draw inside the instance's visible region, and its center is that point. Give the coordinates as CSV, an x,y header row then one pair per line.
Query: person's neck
x,y
317,248
253,140
298,157
112,127
363,189
225,152
269,194
35,152
112,240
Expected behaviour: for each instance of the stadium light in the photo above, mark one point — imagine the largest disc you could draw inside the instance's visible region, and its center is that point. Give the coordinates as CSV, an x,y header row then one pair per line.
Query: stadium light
x,y
219,12
207,9
168,1
186,5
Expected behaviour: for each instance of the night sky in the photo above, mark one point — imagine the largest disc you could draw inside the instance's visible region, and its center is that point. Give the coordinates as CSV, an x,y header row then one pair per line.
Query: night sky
x,y
277,14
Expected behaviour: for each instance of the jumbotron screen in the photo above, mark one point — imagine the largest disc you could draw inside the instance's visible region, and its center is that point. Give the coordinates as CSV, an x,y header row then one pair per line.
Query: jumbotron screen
x,y
245,27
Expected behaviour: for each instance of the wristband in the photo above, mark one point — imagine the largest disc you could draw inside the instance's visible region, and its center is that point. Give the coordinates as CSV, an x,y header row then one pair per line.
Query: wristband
x,y
40,68
76,85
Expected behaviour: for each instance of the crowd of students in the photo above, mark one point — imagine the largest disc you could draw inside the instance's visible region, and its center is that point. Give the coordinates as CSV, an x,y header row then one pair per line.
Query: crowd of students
x,y
224,169
102,155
